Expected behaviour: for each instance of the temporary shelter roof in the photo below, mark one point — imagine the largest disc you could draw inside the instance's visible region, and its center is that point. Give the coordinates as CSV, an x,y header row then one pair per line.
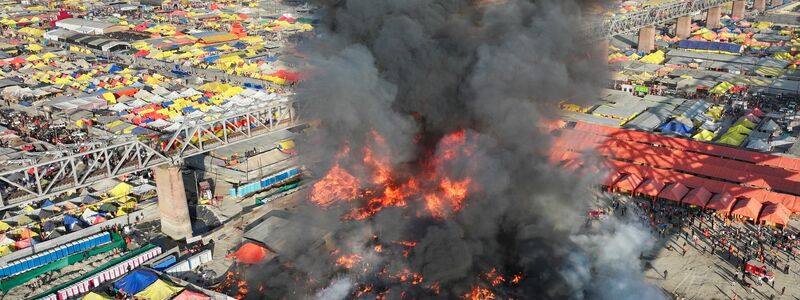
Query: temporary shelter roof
x,y
136,281
758,144
159,290
650,187
698,197
769,126
775,213
674,192
747,207
628,183
189,295
96,296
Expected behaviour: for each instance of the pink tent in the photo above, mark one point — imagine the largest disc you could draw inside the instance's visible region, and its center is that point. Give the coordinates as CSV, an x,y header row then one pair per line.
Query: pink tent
x,y
189,295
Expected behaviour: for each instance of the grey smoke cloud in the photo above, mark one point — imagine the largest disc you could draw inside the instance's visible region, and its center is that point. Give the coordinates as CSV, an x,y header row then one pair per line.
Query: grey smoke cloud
x,y
415,70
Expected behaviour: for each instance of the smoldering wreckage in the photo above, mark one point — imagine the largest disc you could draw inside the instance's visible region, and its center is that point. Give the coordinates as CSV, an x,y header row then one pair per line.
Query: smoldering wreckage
x,y
440,187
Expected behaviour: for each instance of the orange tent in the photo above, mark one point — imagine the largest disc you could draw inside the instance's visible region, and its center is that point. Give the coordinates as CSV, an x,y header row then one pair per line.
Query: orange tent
x,y
650,187
746,207
697,197
250,253
628,183
722,202
674,192
611,179
775,213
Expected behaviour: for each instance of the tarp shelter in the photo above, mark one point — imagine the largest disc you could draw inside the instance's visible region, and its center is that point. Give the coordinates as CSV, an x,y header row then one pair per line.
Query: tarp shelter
x,y
628,183
96,296
675,127
746,207
697,197
758,145
136,281
674,192
704,135
775,213
770,126
712,47
24,220
189,295
250,253
159,290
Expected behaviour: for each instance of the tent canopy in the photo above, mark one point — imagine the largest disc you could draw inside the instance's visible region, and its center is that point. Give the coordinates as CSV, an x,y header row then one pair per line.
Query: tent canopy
x,y
746,207
189,295
250,253
159,290
698,197
136,281
674,192
628,183
96,296
776,213
650,187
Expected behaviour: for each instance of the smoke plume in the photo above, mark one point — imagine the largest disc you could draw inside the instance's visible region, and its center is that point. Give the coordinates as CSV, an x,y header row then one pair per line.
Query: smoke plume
x,y
414,72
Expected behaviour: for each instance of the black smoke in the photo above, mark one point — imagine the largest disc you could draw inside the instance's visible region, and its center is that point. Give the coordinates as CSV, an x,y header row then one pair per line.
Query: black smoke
x,y
416,70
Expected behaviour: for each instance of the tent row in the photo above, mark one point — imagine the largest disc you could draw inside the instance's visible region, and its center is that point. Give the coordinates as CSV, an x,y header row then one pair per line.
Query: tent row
x,y
116,271
631,183
59,252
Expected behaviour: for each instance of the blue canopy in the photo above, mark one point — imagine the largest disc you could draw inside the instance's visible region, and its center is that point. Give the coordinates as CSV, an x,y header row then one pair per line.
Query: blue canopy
x,y
47,203
212,49
70,220
240,45
710,46
165,263
136,281
676,127
114,69
212,58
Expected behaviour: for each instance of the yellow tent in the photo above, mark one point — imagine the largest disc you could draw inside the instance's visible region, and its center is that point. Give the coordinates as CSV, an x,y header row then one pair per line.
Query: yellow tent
x,y
704,135
110,98
733,139
34,47
122,189
96,296
746,123
4,226
49,56
33,57
159,290
6,249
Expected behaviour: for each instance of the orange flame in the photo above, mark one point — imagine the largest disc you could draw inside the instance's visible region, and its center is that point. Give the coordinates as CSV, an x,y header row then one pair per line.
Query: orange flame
x,y
443,195
338,184
494,278
516,279
348,261
479,293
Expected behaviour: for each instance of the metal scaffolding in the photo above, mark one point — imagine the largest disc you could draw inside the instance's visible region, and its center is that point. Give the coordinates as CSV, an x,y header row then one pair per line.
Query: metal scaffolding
x,y
31,182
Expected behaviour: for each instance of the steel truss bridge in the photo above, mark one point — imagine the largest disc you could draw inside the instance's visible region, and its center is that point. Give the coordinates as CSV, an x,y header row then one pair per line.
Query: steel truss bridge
x,y
632,22
31,182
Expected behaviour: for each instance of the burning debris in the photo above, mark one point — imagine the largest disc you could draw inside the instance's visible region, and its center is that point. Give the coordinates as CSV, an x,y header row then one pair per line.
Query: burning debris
x,y
440,187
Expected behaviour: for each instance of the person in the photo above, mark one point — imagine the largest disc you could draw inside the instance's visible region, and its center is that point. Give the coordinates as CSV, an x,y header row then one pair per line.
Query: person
x,y
665,274
783,289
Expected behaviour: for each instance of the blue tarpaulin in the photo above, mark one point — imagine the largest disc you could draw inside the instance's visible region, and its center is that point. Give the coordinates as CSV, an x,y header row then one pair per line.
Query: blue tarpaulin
x,y
136,281
47,203
676,127
114,69
212,58
710,46
165,263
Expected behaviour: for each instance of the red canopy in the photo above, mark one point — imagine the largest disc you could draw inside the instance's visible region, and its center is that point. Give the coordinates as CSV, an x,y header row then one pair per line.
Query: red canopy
x,y
290,76
628,183
650,187
189,295
747,207
142,53
697,197
775,213
250,253
674,192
